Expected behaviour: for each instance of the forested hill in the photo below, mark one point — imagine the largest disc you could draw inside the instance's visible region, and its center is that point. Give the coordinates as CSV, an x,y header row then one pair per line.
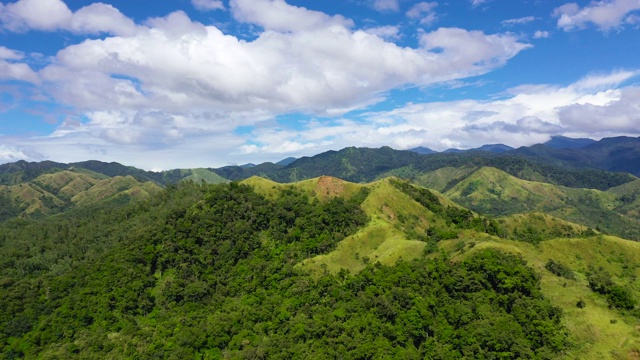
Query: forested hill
x,y
321,268
367,164
23,171
58,191
595,165
612,154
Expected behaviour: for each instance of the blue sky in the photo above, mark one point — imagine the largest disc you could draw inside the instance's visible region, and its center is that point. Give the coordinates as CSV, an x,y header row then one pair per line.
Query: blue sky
x,y
208,83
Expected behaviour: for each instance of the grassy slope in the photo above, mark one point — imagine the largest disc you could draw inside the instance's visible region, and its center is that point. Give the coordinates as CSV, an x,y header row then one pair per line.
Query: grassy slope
x,y
114,187
382,239
209,177
630,194
495,192
53,192
440,179
385,239
591,328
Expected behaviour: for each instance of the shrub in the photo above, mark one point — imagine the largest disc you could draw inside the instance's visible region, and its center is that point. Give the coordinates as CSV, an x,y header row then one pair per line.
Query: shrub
x,y
559,269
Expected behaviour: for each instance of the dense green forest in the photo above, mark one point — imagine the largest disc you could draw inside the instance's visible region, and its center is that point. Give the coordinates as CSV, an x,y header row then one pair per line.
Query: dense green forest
x,y
209,271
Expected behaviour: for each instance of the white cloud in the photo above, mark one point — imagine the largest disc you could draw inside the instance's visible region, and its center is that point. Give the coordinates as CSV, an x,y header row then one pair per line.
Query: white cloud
x,y
100,18
621,115
321,67
470,51
605,81
175,82
21,72
518,21
52,15
540,34
385,32
528,115
12,70
632,19
386,5
14,153
277,15
9,54
477,2
605,15
424,12
208,5
525,115
35,14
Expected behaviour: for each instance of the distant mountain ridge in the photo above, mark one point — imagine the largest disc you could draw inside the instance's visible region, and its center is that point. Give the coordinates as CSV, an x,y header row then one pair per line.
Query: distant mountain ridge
x,y
56,192
574,166
539,163
620,154
494,148
563,142
21,171
423,150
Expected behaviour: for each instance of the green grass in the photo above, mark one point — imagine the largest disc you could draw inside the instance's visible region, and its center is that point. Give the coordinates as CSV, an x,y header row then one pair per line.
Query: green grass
x,y
444,178
596,331
497,193
378,241
112,187
385,238
592,332
200,174
321,187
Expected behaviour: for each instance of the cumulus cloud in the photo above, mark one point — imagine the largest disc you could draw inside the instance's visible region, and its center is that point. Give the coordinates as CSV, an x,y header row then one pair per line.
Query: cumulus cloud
x,y
314,64
9,153
540,34
385,32
523,126
279,16
208,5
590,107
174,81
605,15
20,72
386,5
52,15
424,12
518,21
621,115
9,54
12,70
467,50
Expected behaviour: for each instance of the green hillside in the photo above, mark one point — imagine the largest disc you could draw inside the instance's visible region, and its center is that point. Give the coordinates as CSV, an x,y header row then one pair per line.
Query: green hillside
x,y
59,191
598,331
22,172
320,268
494,192
205,175
366,164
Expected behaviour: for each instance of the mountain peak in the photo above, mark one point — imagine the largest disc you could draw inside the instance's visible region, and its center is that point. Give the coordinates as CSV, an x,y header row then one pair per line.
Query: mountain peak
x,y
422,150
494,148
563,142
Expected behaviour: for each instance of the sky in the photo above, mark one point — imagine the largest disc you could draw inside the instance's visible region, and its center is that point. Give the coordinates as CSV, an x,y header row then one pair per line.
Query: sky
x,y
208,83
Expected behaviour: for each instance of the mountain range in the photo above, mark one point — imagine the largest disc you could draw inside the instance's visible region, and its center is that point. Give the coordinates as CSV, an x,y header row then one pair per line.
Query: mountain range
x,y
315,268
358,253
560,154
